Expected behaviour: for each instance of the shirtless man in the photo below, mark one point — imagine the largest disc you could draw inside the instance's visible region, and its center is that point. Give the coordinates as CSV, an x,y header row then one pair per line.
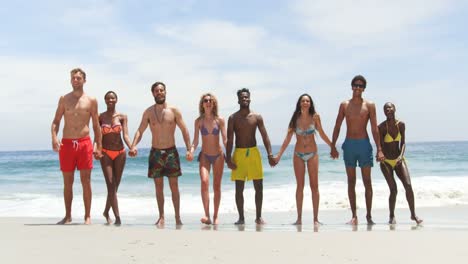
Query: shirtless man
x,y
163,158
75,149
356,147
246,163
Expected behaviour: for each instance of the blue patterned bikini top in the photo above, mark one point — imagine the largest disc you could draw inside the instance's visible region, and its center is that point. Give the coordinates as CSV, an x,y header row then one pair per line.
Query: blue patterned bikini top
x,y
204,131
309,131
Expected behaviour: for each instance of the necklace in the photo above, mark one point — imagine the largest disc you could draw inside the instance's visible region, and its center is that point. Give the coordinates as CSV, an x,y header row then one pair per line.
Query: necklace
x,y
160,120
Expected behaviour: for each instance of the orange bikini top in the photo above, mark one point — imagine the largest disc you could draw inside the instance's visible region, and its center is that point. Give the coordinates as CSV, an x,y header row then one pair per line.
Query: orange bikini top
x,y
106,129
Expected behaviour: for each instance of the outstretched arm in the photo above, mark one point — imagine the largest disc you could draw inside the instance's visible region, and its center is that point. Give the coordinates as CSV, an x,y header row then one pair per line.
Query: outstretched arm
x,y
126,137
222,126
196,134
185,133
285,144
96,128
336,131
139,134
318,125
56,124
402,128
266,140
230,139
375,132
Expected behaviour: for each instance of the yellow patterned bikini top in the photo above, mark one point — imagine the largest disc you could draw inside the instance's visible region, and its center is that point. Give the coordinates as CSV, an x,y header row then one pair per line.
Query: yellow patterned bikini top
x,y
388,138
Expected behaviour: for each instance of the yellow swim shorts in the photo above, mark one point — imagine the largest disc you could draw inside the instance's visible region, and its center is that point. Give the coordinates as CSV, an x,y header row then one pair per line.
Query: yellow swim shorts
x,y
249,164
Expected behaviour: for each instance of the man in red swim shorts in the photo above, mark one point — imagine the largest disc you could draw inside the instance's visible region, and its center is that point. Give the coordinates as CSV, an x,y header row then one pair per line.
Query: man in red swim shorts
x,y
76,149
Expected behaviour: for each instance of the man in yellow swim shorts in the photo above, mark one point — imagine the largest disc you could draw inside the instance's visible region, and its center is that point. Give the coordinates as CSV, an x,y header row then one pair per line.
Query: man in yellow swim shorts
x,y
246,163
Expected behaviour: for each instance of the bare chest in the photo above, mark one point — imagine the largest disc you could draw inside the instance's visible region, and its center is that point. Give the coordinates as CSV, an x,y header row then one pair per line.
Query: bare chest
x,y
356,111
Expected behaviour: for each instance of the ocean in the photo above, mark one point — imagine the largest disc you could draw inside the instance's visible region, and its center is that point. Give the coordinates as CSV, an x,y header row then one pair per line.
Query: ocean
x,y
31,184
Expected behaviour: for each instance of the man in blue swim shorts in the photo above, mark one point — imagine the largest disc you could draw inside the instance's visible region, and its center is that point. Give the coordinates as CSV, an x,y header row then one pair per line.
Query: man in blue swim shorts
x,y
357,149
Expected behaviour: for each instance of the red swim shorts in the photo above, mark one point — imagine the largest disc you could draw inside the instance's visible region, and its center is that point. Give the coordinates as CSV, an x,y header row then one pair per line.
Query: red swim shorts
x,y
76,154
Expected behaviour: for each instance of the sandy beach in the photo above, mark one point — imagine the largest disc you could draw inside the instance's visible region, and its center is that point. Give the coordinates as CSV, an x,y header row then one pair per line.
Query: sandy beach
x,y
442,238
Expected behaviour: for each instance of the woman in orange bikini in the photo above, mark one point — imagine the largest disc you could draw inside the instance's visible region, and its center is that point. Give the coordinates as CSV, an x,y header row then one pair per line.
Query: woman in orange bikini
x,y
210,125
305,122
392,134
113,159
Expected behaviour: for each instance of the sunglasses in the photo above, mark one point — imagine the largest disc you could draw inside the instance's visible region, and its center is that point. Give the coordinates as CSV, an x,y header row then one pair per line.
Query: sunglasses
x,y
359,86
207,100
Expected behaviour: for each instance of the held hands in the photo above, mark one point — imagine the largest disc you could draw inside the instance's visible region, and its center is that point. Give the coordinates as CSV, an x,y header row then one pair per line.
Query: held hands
x,y
380,156
97,154
133,152
272,161
277,158
334,154
231,164
189,156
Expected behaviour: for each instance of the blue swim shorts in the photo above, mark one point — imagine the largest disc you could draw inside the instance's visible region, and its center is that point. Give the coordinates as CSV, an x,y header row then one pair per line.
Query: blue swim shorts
x,y
357,150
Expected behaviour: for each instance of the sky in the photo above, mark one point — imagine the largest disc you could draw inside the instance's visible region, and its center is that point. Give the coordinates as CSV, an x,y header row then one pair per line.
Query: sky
x,y
412,53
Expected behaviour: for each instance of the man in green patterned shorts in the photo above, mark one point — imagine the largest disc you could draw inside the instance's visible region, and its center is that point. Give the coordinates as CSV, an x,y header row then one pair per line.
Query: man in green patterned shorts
x,y
164,158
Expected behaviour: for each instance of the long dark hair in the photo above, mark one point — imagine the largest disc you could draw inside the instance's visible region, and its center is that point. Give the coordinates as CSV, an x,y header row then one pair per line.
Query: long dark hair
x,y
297,112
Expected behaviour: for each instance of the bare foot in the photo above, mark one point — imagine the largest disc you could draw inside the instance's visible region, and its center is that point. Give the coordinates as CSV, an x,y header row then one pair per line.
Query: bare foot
x,y
240,222
418,220
64,221
392,220
108,219
205,220
259,221
353,221
317,223
178,222
117,221
215,221
298,222
87,220
160,222
369,220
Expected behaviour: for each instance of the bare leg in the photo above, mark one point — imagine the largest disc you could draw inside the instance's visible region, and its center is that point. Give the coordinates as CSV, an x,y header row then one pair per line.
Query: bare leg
x,y
366,178
159,187
106,165
312,167
240,202
85,176
403,173
218,168
204,168
299,172
119,165
68,178
387,171
258,186
174,185
351,173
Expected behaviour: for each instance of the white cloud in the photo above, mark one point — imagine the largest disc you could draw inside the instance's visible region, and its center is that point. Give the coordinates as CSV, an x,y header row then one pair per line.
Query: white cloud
x,y
365,22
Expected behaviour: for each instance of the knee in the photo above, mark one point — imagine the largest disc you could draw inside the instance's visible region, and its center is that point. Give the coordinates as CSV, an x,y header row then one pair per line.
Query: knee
x,y
393,191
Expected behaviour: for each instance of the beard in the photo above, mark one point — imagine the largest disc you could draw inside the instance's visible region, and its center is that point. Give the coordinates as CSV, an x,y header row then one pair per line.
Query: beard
x,y
160,100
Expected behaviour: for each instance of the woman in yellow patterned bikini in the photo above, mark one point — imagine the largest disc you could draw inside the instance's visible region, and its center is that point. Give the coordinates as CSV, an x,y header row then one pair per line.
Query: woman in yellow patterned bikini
x,y
392,136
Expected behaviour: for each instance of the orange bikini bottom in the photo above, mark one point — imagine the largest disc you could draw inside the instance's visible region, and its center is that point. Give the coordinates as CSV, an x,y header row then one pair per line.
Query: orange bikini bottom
x,y
113,153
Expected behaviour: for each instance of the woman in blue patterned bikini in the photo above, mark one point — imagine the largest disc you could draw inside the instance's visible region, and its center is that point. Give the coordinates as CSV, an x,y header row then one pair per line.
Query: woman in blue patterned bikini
x,y
392,138
304,123
210,125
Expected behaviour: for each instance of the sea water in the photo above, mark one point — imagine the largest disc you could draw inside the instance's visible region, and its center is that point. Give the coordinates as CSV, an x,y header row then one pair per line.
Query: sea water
x,y
31,184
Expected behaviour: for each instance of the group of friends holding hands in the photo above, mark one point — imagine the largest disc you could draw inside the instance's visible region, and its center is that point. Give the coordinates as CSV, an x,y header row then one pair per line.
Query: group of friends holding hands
x,y
76,150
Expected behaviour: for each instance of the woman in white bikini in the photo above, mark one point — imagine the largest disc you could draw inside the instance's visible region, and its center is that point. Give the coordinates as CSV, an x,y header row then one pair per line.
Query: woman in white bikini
x,y
210,125
304,123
